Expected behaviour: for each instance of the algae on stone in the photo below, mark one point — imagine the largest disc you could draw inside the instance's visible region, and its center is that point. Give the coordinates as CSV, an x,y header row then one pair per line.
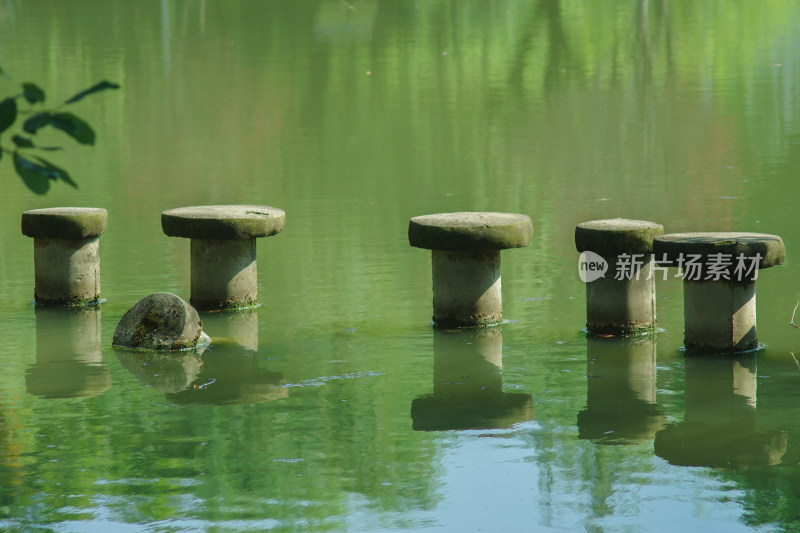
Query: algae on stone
x,y
161,321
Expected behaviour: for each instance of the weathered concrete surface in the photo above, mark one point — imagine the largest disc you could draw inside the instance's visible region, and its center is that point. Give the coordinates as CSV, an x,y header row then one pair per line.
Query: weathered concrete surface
x,y
66,271
466,288
223,222
470,231
224,274
770,247
466,262
66,253
613,236
65,222
719,316
224,270
160,321
621,307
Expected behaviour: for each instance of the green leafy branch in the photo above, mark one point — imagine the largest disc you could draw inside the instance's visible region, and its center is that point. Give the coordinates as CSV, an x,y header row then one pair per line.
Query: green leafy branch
x,y
35,171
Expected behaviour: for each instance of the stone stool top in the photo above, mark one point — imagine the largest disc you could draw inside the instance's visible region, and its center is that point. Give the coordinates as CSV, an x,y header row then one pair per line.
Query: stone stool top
x,y
675,245
616,235
65,222
470,231
223,222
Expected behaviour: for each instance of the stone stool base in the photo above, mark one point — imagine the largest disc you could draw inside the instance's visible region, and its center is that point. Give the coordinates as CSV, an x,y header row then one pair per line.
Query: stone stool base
x,y
224,273
67,271
466,288
621,307
719,316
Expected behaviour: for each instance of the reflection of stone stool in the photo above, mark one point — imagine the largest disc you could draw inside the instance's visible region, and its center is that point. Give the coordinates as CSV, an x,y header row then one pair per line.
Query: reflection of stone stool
x,y
627,305
223,241
720,426
66,253
232,375
621,397
466,262
719,298
238,327
468,385
69,359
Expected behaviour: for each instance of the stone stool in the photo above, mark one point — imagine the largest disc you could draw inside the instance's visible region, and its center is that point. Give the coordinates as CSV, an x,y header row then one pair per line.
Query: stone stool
x,y
223,248
66,253
719,290
627,305
466,262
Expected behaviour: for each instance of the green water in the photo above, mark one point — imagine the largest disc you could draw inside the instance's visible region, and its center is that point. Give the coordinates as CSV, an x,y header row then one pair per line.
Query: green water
x,y
335,405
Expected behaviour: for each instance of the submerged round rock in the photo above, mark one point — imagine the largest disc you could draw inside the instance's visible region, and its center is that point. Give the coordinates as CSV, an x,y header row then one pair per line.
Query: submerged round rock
x,y
470,231
161,321
223,222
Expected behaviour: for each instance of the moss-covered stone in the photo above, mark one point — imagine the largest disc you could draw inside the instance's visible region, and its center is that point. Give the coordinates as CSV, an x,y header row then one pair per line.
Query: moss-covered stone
x,y
614,236
223,222
470,231
160,321
675,245
65,222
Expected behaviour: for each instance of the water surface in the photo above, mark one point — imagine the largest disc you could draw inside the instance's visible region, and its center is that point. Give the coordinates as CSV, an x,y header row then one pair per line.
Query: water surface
x,y
335,405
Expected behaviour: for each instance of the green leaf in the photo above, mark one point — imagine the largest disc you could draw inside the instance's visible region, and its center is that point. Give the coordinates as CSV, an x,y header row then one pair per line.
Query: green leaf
x,y
103,85
35,177
36,122
25,142
33,93
8,113
22,142
73,126
70,124
59,172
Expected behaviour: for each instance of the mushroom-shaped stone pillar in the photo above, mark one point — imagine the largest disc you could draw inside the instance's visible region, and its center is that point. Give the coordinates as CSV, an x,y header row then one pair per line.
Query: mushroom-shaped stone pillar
x,y
223,248
719,289
466,262
66,253
622,300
